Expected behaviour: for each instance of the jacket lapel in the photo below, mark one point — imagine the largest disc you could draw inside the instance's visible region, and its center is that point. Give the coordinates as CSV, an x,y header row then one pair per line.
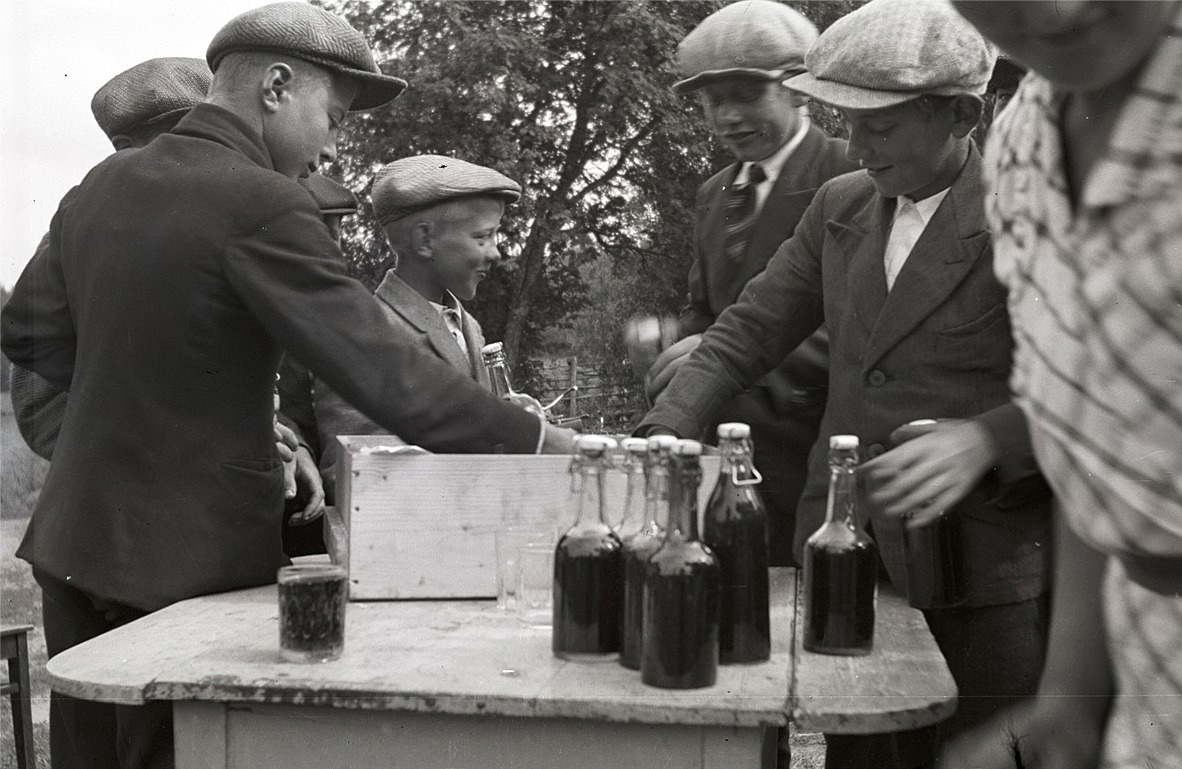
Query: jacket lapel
x,y
944,254
863,239
474,336
418,312
714,221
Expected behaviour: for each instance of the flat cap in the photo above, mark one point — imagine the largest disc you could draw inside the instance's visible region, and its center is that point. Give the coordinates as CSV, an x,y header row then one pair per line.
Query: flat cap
x,y
755,38
891,51
412,184
312,34
330,196
149,92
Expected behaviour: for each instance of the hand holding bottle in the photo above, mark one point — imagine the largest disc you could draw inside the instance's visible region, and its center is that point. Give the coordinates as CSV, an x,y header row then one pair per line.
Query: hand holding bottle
x,y
931,473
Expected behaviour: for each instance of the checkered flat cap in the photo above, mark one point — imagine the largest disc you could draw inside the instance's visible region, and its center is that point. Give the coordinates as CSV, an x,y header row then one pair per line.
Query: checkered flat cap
x,y
312,34
891,51
753,38
330,196
149,92
412,184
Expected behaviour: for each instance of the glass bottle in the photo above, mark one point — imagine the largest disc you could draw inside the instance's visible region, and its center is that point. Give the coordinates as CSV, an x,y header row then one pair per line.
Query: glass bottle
x,y
498,375
635,470
639,547
840,565
588,564
736,529
682,587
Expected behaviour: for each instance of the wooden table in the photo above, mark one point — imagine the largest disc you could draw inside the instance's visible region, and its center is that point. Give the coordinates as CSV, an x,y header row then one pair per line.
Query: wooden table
x,y
450,684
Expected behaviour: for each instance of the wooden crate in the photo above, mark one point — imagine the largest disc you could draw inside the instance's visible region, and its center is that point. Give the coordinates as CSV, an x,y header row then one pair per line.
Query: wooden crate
x,y
421,526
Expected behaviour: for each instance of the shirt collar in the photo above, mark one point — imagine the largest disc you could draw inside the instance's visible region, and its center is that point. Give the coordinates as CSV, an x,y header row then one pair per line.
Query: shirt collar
x,y
926,207
1144,152
774,163
449,303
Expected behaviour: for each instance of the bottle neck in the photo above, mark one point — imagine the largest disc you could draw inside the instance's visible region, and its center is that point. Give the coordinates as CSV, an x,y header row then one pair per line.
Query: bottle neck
x,y
589,488
656,500
842,505
736,466
635,500
498,375
683,500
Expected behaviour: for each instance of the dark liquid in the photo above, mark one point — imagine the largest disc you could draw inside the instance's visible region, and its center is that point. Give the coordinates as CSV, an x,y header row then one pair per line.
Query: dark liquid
x,y
839,599
312,616
935,571
740,545
637,551
680,623
588,595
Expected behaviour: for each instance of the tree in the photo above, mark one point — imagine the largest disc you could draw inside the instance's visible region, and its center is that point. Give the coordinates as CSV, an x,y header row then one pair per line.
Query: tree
x,y
572,99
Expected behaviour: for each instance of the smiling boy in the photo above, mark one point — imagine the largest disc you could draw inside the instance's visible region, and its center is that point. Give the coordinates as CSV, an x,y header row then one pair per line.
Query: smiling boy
x,y
896,260
174,277
441,217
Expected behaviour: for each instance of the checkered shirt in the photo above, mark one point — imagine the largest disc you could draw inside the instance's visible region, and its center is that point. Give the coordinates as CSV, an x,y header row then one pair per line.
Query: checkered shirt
x,y
1096,305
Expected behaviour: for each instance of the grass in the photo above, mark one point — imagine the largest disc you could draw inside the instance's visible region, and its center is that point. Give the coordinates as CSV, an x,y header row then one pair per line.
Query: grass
x,y
20,598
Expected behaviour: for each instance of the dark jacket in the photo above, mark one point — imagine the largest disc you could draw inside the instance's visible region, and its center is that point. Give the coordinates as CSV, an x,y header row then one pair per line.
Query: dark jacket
x,y
783,408
174,276
937,346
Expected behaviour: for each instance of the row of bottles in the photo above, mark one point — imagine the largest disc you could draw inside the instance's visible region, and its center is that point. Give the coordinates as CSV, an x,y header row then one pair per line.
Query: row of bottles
x,y
670,603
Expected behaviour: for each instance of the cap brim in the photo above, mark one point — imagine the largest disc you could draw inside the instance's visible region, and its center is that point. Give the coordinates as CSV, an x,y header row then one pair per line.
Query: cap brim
x,y
845,96
703,79
376,90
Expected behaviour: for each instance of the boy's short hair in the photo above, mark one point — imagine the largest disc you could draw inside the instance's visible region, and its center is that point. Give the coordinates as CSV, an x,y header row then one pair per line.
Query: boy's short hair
x,y
415,183
305,32
150,93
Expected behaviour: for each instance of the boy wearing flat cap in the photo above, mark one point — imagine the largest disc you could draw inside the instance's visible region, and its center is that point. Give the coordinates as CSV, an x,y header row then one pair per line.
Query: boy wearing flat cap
x,y
441,217
735,62
174,276
896,260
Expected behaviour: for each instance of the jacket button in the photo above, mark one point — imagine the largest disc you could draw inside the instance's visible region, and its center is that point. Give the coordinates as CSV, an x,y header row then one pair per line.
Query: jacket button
x,y
876,378
876,450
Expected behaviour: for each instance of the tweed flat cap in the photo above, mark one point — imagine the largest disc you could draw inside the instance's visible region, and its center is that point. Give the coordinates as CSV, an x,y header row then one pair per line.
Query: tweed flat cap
x,y
756,38
330,196
412,184
891,51
149,92
312,34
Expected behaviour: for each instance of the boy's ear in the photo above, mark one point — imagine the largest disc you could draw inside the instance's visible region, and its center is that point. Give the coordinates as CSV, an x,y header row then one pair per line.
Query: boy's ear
x,y
277,85
422,241
122,142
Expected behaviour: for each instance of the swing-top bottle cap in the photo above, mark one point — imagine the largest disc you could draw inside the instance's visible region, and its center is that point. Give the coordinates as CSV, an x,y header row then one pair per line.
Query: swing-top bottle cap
x,y
662,443
843,441
594,445
634,445
687,448
735,431
492,348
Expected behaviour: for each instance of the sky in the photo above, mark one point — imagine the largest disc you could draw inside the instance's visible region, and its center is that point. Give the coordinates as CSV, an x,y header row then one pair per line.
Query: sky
x,y
54,54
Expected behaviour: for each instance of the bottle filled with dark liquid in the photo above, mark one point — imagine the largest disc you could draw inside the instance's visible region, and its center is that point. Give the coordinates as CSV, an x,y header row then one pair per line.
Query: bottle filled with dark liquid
x,y
735,528
588,564
634,465
640,546
840,565
498,375
682,589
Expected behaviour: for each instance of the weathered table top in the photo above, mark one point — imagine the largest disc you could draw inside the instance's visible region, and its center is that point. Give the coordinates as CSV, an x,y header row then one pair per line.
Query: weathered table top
x,y
468,658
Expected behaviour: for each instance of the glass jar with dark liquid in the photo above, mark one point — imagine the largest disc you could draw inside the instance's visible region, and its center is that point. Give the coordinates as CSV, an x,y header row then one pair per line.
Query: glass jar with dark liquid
x,y
588,564
735,529
641,545
682,587
840,565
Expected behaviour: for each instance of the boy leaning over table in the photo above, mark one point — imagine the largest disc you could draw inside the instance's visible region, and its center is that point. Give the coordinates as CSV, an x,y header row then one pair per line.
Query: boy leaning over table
x,y
896,260
173,278
441,217
1085,169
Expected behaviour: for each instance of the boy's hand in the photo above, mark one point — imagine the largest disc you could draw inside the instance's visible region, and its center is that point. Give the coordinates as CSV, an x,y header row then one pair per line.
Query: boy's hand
x,y
302,473
927,475
286,443
667,364
557,440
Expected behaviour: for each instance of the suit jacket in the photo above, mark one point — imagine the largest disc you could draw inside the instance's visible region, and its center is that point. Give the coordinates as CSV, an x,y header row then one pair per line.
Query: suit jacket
x,y
784,408
406,309
174,276
938,345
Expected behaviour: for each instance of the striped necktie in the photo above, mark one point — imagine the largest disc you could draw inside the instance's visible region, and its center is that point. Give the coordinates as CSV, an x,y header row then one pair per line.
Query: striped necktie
x,y
740,213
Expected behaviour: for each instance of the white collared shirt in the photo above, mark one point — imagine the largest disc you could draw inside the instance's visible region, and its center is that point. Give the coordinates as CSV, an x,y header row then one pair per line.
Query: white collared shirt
x,y
911,219
453,316
772,165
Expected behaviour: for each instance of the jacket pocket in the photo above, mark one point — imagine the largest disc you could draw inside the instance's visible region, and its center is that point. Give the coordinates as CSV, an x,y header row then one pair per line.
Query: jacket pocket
x,y
979,325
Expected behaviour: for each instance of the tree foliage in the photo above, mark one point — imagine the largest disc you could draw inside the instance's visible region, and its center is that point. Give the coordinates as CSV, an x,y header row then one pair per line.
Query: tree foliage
x,y
572,98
